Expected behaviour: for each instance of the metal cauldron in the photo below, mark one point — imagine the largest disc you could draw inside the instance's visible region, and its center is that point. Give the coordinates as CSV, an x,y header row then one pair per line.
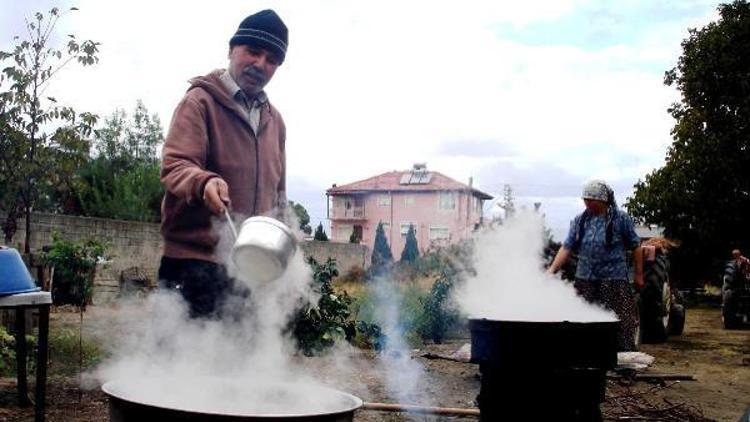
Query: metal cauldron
x,y
263,248
194,400
542,370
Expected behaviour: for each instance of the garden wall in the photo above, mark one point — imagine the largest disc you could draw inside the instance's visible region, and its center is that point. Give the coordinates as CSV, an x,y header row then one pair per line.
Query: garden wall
x,y
136,244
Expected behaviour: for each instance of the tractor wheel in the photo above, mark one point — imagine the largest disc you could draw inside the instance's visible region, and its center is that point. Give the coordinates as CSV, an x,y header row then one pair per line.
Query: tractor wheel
x,y
729,309
655,301
676,319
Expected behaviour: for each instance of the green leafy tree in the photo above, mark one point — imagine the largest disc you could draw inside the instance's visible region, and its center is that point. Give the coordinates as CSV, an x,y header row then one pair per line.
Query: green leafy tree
x,y
42,142
302,217
702,194
122,181
382,258
320,234
410,253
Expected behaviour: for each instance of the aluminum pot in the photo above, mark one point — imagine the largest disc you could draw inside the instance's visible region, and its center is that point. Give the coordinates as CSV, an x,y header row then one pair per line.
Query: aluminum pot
x,y
263,249
204,399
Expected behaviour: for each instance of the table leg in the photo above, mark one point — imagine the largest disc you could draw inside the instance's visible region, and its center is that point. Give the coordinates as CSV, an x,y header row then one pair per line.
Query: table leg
x,y
41,364
21,360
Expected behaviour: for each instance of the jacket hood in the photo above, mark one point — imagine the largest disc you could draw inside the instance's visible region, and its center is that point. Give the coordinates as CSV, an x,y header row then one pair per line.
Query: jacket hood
x,y
211,83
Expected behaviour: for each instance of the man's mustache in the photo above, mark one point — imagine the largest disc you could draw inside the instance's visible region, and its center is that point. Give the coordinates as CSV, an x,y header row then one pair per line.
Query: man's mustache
x,y
255,73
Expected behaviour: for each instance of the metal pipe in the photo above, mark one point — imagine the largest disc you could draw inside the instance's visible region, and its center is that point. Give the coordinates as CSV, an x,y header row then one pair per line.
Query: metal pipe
x,y
398,407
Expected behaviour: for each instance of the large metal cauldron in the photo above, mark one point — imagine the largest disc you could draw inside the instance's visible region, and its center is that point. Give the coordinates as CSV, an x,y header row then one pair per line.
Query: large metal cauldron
x,y
162,400
542,370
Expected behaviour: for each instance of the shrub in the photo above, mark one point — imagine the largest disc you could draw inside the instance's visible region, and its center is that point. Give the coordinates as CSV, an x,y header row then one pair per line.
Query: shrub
x,y
74,264
318,327
438,314
8,354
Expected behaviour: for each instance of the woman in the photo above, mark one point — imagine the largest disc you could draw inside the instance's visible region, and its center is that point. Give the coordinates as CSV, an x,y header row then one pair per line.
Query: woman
x,y
600,236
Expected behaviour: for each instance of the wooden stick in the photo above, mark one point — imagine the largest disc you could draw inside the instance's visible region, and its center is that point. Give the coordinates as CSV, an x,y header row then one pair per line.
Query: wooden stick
x,y
665,377
397,407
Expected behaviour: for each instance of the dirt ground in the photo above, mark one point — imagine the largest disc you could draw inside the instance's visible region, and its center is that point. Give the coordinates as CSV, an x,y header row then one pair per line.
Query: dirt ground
x,y
717,358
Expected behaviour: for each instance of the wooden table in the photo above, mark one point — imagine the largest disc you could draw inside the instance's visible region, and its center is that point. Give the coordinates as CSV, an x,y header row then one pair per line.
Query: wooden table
x,y
20,303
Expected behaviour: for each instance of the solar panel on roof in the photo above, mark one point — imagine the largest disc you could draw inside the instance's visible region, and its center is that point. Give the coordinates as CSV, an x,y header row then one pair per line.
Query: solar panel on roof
x,y
416,178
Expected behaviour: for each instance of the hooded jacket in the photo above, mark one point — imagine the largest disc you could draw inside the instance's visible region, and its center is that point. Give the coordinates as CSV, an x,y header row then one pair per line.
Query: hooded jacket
x,y
209,137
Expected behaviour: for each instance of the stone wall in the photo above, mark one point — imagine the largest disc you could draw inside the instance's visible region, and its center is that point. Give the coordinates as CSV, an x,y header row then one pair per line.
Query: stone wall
x,y
135,244
129,244
347,255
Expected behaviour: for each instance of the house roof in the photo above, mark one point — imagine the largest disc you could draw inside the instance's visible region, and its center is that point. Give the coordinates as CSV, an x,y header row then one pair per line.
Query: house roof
x,y
393,181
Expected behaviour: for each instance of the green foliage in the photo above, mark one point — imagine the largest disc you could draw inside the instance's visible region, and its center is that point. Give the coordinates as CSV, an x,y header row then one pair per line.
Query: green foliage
x,y
122,182
700,195
411,249
42,143
355,237
8,354
438,313
70,352
381,294
302,217
318,327
320,234
382,258
74,264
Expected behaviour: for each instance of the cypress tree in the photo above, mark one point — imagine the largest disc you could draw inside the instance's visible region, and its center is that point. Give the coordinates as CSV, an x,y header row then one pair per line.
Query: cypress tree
x,y
381,251
320,234
411,249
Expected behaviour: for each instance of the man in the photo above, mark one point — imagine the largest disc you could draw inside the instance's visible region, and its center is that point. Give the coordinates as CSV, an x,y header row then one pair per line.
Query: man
x,y
742,263
600,236
224,151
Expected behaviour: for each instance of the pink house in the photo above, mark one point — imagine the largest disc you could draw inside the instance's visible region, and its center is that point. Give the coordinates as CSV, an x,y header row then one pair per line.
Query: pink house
x,y
442,210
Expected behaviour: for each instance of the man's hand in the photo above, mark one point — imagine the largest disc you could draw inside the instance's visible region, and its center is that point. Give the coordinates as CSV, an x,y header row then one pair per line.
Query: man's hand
x,y
216,195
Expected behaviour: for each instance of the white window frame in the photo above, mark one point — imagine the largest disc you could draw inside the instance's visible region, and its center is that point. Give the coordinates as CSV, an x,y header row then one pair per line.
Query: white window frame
x,y
442,229
384,200
404,227
409,200
447,201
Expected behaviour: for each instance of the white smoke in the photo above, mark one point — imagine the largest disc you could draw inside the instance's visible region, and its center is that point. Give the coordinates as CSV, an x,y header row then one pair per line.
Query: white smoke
x,y
510,283
403,375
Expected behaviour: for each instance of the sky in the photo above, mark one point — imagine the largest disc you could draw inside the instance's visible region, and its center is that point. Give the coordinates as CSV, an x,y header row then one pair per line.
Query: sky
x,y
542,95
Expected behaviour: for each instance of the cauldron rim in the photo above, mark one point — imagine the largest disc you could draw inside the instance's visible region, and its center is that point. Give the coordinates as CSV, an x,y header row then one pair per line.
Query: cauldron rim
x,y
355,401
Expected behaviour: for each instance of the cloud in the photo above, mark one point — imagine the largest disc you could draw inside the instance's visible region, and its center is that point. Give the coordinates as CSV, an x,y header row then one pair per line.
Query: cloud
x,y
475,148
557,91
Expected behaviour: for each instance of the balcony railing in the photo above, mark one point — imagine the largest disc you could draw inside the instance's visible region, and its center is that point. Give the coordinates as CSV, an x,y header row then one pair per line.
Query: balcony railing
x,y
357,213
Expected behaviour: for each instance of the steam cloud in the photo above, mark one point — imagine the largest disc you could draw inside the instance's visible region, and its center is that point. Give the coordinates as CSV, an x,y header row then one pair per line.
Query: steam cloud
x,y
510,283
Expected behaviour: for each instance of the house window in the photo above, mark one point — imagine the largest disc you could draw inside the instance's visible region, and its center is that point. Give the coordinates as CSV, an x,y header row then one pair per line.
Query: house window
x,y
439,233
409,200
405,227
447,201
384,200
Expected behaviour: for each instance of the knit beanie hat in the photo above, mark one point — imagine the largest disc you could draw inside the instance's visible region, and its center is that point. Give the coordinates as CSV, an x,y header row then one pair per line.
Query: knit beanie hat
x,y
263,30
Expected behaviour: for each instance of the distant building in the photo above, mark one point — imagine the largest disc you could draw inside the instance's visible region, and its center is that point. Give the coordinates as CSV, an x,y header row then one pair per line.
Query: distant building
x,y
648,232
442,210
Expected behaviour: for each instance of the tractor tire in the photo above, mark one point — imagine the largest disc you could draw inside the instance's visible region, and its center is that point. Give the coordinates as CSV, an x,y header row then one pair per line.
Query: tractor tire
x,y
655,301
729,309
676,319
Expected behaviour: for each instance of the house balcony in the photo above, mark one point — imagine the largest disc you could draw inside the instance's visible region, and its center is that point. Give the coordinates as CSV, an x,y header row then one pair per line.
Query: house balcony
x,y
350,214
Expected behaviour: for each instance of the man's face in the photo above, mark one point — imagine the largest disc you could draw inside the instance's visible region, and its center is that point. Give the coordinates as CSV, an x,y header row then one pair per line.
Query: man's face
x,y
252,67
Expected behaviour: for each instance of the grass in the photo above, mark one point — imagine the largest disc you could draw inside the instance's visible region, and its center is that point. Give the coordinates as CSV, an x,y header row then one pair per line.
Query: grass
x,y
69,354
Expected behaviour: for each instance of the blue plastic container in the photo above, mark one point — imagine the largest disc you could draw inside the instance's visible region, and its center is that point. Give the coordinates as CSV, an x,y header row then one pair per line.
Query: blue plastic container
x,y
14,276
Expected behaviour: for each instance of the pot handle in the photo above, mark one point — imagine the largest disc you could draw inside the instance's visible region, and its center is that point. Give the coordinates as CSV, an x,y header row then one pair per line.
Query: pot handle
x,y
231,223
